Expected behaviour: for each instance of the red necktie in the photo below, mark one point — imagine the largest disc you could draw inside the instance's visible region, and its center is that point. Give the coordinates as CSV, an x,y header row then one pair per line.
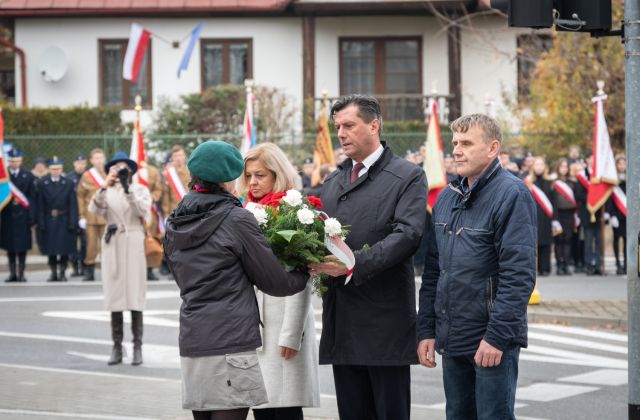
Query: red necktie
x,y
355,171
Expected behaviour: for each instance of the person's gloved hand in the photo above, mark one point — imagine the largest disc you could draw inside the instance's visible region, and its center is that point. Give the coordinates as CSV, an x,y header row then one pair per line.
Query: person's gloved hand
x,y
615,223
82,223
607,217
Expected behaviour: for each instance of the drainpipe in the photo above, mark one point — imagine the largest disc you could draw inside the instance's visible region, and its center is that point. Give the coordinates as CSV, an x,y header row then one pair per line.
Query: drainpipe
x,y
23,68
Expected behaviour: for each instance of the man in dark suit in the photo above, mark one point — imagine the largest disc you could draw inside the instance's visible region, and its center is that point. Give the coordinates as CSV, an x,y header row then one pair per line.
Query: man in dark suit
x,y
17,217
369,324
57,218
80,251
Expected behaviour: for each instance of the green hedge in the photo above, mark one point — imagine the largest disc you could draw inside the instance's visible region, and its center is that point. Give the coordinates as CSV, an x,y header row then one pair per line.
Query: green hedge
x,y
51,121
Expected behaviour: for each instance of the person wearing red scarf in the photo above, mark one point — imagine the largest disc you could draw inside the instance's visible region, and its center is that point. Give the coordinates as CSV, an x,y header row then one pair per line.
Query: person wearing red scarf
x,y
289,364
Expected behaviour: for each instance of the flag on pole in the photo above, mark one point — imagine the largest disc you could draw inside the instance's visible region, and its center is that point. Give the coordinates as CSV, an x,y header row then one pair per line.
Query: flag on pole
x,y
136,49
5,189
323,153
604,175
195,35
139,155
248,129
434,158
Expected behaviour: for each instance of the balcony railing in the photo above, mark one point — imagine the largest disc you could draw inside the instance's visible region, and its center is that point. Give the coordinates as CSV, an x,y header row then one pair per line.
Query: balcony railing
x,y
405,107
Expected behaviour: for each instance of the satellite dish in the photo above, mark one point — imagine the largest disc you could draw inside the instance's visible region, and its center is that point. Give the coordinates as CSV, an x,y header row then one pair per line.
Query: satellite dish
x,y
53,64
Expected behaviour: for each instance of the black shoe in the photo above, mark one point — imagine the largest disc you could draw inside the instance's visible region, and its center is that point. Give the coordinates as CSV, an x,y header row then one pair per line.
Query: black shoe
x,y
116,355
137,356
151,275
62,276
620,271
76,269
11,279
89,273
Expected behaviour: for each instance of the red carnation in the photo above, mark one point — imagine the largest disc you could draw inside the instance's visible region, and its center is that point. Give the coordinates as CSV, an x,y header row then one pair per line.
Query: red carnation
x,y
315,201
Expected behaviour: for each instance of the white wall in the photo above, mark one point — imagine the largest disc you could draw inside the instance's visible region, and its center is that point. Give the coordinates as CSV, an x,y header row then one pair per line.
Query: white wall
x,y
277,54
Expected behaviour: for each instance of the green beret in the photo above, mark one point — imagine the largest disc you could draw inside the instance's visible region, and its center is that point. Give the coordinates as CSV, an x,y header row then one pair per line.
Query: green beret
x,y
216,162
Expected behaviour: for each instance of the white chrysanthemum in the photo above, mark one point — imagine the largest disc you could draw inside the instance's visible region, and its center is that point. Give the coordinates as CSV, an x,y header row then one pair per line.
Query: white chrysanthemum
x,y
260,214
293,198
305,216
332,227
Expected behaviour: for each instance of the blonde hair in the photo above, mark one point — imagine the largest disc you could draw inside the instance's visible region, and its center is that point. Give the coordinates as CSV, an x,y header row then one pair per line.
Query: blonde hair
x,y
274,159
545,174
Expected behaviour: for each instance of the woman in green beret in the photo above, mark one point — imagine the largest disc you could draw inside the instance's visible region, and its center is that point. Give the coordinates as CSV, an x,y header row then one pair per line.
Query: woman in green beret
x,y
217,254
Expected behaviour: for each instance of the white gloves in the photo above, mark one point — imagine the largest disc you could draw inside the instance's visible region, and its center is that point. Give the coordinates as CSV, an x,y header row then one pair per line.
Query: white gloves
x,y
556,228
82,223
615,223
576,220
607,217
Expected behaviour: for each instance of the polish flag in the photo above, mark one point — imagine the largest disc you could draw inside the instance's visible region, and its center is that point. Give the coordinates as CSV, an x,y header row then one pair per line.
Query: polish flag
x,y
136,48
604,175
138,155
434,158
248,128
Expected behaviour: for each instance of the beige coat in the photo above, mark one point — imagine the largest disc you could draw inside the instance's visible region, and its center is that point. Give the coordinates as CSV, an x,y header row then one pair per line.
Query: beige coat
x,y
124,266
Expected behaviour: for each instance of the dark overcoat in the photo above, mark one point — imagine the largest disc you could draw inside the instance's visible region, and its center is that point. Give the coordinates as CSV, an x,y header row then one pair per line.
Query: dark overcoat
x,y
15,228
372,320
57,215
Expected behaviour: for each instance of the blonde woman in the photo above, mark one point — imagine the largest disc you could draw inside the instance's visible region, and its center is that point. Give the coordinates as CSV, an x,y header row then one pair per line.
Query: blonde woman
x,y
288,357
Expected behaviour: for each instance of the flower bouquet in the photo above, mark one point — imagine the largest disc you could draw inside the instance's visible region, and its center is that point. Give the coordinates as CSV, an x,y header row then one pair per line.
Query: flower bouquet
x,y
300,234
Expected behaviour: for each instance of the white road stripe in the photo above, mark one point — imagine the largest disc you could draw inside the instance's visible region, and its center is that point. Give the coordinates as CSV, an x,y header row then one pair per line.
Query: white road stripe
x,y
72,415
105,316
546,392
586,344
601,361
608,377
160,294
580,331
88,373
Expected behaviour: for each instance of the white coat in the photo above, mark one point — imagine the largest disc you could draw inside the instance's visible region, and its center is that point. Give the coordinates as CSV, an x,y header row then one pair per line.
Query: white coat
x,y
289,322
124,266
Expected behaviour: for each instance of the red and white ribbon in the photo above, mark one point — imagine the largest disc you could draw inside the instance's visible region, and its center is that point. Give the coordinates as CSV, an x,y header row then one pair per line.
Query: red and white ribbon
x,y
339,249
19,195
541,198
565,190
582,177
175,183
96,178
620,198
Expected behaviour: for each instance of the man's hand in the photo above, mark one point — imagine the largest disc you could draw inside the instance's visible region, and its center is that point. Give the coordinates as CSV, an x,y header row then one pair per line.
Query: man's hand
x,y
331,266
288,353
427,352
487,355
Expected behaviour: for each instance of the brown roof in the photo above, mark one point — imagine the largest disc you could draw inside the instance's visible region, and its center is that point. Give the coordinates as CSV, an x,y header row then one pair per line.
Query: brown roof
x,y
137,7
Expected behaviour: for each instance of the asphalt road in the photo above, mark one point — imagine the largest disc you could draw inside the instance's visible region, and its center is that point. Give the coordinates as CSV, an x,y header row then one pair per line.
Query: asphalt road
x,y
55,340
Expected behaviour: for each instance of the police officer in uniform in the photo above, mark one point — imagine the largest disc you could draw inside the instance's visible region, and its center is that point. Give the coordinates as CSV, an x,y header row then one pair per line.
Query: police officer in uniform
x,y
17,217
57,218
77,258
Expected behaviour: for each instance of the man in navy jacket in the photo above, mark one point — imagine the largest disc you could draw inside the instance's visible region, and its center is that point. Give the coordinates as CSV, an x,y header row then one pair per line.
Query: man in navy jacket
x,y
479,275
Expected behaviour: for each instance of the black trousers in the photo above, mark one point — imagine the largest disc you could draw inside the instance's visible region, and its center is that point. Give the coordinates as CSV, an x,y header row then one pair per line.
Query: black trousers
x,y
544,259
373,392
81,247
618,234
280,413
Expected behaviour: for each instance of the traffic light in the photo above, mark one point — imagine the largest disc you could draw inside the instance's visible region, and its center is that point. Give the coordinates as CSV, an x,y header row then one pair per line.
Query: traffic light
x,y
566,15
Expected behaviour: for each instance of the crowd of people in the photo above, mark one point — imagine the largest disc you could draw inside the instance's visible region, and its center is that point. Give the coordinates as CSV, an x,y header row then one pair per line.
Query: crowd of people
x,y
247,332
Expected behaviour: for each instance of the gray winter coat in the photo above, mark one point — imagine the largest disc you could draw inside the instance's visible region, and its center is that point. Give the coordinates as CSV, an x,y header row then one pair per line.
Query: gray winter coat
x,y
217,253
372,320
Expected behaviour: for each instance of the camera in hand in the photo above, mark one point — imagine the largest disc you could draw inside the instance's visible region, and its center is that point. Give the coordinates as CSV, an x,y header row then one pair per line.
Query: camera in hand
x,y
123,176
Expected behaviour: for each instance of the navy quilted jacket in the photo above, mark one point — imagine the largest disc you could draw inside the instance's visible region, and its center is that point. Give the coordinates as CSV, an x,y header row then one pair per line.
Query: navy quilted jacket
x,y
478,279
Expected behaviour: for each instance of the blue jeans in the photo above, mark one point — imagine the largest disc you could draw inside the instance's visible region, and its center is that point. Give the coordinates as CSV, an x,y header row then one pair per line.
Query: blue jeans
x,y
477,393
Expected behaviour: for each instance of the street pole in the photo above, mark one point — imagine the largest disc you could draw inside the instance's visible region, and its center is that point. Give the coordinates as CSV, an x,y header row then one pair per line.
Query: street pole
x,y
632,129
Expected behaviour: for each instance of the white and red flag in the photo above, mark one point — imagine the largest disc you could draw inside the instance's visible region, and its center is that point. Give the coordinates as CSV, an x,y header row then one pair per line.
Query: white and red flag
x,y
603,175
136,49
248,127
138,154
620,200
434,158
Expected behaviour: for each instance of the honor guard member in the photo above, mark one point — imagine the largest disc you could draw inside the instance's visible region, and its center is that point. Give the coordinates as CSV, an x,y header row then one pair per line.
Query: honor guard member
x,y
155,227
57,218
176,185
18,216
92,224
39,168
77,258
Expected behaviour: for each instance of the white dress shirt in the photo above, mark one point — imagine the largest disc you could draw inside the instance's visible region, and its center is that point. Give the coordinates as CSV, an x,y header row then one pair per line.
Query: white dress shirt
x,y
370,160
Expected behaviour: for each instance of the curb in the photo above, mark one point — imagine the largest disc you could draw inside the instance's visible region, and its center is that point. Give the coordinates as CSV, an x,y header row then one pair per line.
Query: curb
x,y
579,320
